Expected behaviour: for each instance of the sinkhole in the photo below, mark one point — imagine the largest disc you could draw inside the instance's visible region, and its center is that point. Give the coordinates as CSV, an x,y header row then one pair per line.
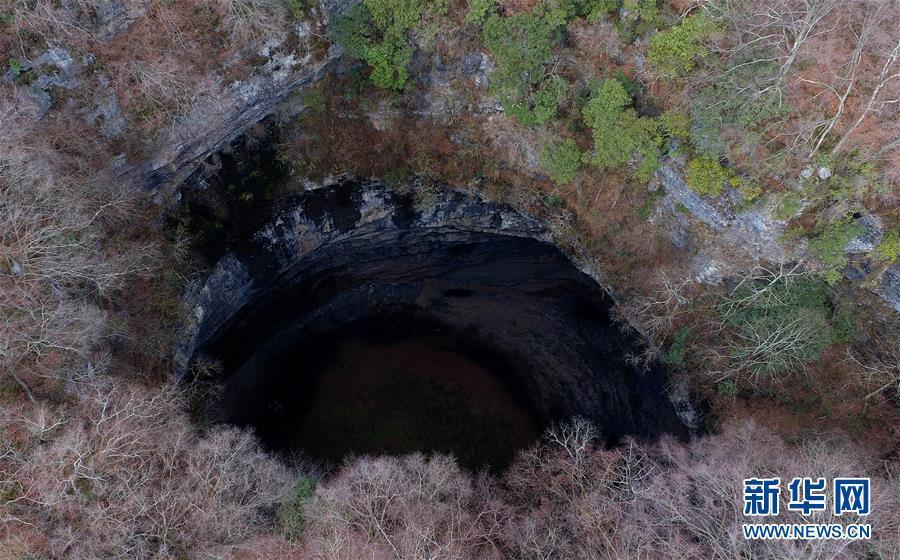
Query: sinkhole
x,y
356,320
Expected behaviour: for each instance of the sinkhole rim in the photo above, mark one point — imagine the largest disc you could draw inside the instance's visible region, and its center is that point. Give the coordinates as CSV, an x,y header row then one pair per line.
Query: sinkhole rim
x,y
321,238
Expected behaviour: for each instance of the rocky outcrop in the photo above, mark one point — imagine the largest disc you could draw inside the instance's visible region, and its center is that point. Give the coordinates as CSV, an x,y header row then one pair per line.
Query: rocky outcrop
x,y
218,114
353,251
214,123
731,237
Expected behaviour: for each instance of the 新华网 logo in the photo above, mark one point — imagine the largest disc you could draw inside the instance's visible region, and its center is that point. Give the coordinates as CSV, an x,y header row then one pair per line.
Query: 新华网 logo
x,y
808,497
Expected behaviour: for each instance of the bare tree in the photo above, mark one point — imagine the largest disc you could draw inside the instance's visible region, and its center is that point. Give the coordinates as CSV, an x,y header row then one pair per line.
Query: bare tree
x,y
888,74
878,362
657,312
119,472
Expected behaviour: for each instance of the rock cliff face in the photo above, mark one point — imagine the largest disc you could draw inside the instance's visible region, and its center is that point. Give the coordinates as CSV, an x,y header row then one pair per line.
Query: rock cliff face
x,y
354,251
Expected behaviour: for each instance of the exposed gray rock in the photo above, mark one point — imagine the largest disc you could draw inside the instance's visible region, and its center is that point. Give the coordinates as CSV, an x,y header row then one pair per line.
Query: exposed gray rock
x,y
116,16
757,233
53,68
214,122
823,173
677,192
752,234
857,271
890,286
106,113
478,67
675,221
872,235
685,405
64,69
706,268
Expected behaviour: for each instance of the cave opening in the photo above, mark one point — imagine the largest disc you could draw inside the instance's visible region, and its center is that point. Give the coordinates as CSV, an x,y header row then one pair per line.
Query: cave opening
x,y
357,320
393,383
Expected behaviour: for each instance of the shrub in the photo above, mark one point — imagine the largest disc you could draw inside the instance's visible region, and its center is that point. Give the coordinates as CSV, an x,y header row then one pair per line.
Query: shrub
x,y
354,31
619,133
120,472
15,67
705,175
749,190
844,327
707,119
889,248
562,161
674,52
675,356
789,206
400,507
727,388
389,60
829,246
521,46
571,497
377,31
290,517
544,103
590,9
639,15
299,8
479,11
646,209
781,322
676,124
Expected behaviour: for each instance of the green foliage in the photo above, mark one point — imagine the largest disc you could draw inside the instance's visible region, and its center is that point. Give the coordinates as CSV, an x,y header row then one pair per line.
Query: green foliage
x,y
355,31
674,52
707,119
829,246
553,201
395,16
389,61
706,176
290,517
789,206
590,9
675,356
544,103
646,209
889,248
479,11
562,161
15,67
781,323
726,388
639,15
619,133
377,31
521,46
750,191
676,124
633,87
844,327
315,102
438,8
299,8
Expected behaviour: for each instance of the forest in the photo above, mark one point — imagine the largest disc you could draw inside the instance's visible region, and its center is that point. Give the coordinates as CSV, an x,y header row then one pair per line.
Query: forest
x,y
726,170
